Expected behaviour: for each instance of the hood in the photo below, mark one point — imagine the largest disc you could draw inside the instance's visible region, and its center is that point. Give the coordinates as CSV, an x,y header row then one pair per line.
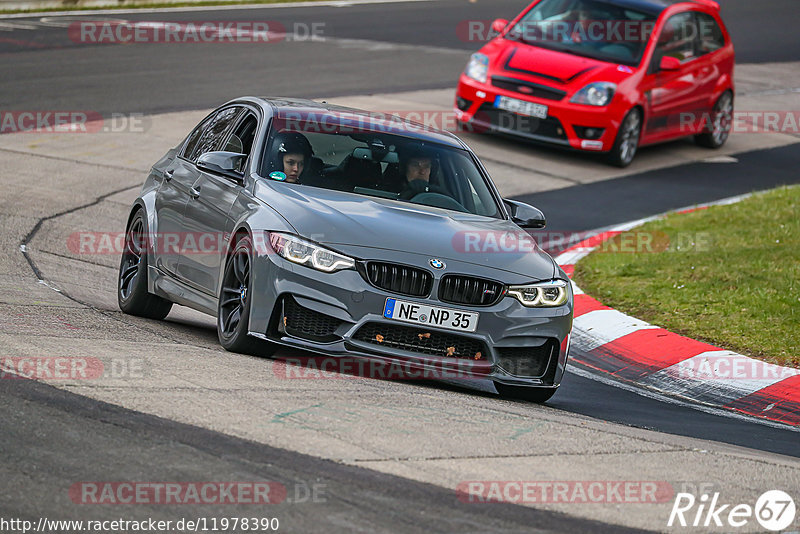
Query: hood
x,y
350,222
561,68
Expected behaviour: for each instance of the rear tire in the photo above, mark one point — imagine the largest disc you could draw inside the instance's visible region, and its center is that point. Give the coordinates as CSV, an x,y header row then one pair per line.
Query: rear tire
x,y
233,309
721,127
627,142
132,294
530,394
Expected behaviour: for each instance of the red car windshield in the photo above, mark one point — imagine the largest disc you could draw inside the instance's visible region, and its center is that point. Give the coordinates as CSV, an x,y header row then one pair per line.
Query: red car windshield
x,y
589,28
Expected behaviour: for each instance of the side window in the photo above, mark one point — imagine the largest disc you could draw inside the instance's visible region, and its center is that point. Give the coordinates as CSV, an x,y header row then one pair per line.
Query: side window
x,y
242,137
212,135
710,38
194,137
677,39
241,140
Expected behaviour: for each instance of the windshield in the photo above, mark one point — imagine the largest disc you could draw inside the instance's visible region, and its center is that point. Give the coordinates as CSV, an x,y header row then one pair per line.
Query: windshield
x,y
378,164
590,28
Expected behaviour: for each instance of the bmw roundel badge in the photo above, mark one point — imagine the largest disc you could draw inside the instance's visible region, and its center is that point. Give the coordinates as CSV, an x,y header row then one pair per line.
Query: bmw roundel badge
x,y
437,264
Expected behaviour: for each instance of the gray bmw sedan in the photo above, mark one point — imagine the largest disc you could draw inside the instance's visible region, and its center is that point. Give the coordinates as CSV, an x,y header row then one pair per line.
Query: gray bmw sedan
x,y
351,235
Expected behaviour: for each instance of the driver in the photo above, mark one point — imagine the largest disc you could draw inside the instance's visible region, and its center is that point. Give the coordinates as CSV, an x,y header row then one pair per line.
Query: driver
x,y
291,155
416,167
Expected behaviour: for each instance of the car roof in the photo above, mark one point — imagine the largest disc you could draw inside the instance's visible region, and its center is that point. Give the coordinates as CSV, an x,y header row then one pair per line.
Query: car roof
x,y
299,109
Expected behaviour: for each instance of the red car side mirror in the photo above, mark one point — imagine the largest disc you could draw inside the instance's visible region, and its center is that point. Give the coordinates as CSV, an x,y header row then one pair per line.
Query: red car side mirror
x,y
669,63
499,25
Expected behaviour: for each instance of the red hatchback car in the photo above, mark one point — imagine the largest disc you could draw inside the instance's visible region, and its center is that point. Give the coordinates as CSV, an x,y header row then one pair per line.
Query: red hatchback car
x,y
604,75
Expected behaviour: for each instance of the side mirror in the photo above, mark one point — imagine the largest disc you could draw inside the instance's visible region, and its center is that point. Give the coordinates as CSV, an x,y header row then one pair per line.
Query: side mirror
x,y
669,63
499,25
227,164
525,215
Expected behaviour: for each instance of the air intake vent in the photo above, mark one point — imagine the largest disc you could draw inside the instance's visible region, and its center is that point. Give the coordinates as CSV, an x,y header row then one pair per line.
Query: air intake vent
x,y
528,88
527,361
399,279
468,290
299,321
421,341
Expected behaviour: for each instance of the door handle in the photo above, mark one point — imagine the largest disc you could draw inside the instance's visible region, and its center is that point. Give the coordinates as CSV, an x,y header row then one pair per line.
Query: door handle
x,y
168,174
195,192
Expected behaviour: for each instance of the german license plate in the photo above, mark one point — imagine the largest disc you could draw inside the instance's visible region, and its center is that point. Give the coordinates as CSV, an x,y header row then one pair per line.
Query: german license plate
x,y
424,315
521,107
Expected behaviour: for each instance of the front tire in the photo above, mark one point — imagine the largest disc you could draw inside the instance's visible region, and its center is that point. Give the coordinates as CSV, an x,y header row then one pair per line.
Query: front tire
x,y
721,127
132,294
627,142
233,310
537,395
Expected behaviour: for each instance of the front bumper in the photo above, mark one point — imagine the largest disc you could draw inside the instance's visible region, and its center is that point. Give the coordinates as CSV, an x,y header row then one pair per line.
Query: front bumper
x,y
342,311
566,124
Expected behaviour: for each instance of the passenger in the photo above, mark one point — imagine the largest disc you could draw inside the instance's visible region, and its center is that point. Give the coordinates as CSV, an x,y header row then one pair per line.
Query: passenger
x,y
291,155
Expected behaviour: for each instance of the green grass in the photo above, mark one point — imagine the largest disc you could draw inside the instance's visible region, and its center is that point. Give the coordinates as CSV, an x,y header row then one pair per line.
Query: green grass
x,y
148,6
727,275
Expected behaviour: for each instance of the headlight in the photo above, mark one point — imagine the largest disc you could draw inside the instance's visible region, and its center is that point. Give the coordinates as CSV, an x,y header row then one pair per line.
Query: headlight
x,y
477,67
595,94
542,294
303,252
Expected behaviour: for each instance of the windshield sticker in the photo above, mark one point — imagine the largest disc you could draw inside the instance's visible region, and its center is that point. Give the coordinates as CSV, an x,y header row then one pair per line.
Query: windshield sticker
x,y
278,175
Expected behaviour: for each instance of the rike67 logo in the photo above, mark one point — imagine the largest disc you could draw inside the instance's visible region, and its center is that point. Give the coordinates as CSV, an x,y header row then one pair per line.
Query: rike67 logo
x,y
774,510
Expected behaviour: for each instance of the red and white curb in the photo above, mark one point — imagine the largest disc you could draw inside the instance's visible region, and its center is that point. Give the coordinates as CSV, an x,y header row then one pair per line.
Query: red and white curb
x,y
634,351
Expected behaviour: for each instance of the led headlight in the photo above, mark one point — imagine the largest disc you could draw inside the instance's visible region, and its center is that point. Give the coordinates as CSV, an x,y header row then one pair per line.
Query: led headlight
x,y
477,67
595,94
306,253
541,294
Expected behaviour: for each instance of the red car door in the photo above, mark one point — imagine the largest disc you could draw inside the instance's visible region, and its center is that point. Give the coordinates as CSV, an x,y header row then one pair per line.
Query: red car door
x,y
674,96
711,62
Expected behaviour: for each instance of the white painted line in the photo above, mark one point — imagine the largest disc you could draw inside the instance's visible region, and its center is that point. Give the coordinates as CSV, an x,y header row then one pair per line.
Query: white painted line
x,y
598,327
11,26
284,5
48,284
720,159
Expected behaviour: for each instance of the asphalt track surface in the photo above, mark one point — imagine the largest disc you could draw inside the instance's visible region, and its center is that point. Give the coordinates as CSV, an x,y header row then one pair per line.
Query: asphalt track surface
x,y
642,195
92,437
49,71
44,68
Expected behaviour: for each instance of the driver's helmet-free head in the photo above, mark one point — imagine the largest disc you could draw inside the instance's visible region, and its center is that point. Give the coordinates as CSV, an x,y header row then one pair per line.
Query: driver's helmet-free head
x,y
416,151
289,143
